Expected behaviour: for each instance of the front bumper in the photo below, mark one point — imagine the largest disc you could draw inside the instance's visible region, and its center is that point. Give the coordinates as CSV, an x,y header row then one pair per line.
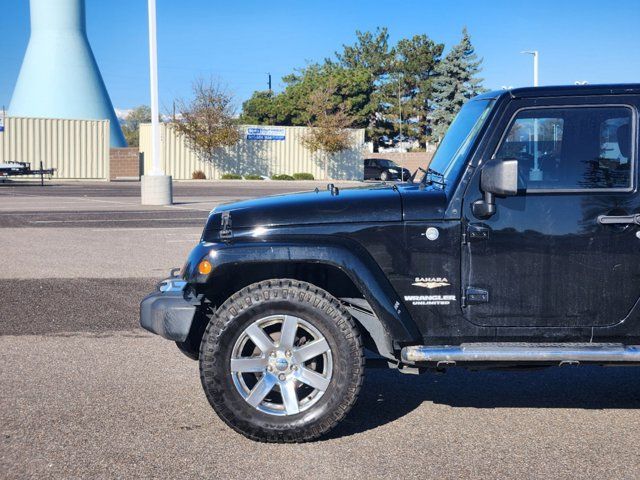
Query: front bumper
x,y
169,312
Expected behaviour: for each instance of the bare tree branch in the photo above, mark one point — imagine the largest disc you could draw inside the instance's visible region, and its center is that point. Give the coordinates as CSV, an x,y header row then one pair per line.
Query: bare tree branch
x,y
207,122
329,124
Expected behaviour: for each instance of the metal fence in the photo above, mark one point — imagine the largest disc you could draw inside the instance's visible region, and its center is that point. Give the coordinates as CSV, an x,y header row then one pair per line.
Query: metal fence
x,y
75,148
261,150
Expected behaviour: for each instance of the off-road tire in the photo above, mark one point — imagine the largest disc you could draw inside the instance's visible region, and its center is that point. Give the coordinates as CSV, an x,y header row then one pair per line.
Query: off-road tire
x,y
278,297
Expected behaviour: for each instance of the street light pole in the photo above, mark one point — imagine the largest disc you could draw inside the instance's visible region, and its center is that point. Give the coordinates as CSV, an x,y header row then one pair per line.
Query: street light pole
x,y
153,76
156,187
535,65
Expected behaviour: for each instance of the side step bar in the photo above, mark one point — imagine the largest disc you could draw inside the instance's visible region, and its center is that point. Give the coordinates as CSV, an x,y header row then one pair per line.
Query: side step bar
x,y
560,353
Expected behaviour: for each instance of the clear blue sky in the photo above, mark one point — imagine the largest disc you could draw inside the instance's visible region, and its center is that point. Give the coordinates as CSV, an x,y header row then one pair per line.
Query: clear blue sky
x,y
239,42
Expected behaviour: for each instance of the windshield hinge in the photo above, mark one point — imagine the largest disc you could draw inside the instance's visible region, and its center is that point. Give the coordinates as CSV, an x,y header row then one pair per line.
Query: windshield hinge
x,y
476,232
225,226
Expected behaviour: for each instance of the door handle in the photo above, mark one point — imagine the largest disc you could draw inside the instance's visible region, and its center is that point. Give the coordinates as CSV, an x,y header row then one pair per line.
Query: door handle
x,y
619,219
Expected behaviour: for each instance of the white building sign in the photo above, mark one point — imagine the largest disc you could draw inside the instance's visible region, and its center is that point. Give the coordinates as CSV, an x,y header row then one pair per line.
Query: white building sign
x,y
266,133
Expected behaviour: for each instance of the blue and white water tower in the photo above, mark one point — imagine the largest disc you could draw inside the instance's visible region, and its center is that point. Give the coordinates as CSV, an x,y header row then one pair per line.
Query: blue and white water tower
x,y
59,77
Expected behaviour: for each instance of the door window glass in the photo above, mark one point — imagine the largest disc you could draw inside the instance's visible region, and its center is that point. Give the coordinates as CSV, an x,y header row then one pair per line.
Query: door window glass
x,y
571,148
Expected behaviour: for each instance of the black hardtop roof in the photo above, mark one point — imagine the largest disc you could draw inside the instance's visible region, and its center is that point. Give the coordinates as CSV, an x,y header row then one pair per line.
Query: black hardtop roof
x,y
565,91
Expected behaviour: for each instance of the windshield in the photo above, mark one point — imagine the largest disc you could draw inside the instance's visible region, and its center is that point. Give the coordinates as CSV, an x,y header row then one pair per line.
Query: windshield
x,y
453,150
386,163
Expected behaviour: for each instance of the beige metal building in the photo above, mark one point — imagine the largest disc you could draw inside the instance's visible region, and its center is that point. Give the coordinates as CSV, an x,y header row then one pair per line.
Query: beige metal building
x,y
75,148
261,150
79,149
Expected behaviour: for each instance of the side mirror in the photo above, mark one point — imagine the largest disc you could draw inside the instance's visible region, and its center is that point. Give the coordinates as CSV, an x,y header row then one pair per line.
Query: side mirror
x,y
498,177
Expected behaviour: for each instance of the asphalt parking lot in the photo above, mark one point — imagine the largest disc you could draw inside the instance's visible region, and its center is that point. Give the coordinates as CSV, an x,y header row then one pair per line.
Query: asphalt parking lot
x,y
85,393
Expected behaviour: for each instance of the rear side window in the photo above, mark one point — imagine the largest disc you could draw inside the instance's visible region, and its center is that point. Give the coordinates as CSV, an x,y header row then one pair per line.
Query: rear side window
x,y
572,148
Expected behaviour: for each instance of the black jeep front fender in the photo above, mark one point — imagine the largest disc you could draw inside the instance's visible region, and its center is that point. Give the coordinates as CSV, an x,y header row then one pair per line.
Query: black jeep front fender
x,y
354,261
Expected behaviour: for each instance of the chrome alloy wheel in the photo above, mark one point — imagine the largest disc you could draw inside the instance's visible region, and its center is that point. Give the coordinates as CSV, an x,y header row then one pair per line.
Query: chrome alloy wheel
x,y
281,365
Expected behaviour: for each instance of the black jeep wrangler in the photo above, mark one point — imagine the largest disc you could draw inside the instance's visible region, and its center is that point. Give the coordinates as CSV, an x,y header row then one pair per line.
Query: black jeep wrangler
x,y
518,247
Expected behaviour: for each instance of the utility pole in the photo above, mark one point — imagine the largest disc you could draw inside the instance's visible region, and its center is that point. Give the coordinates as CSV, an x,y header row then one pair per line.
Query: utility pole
x,y
269,74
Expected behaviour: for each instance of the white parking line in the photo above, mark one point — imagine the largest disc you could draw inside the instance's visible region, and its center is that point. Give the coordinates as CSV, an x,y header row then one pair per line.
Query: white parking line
x,y
71,199
190,208
154,230
119,220
67,199
78,212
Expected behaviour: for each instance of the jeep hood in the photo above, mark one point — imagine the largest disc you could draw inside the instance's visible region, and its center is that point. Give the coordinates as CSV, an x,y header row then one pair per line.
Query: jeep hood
x,y
372,203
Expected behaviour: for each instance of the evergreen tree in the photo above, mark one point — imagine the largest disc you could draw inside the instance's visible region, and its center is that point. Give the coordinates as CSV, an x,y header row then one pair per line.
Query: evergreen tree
x,y
409,87
405,88
456,82
351,88
372,54
260,109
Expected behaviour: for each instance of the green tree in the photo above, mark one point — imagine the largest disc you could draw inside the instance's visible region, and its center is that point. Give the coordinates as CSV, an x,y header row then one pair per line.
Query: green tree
x,y
260,109
407,94
372,54
356,75
131,125
351,88
456,83
406,88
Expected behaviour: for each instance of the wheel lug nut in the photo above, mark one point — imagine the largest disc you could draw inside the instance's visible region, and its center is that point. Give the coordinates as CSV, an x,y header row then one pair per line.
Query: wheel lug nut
x,y
269,368
287,353
294,368
273,354
282,376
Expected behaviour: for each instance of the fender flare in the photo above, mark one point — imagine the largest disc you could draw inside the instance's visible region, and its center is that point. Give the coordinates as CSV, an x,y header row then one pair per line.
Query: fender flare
x,y
397,325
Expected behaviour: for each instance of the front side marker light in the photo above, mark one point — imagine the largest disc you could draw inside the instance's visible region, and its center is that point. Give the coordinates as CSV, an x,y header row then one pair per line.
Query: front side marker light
x,y
204,267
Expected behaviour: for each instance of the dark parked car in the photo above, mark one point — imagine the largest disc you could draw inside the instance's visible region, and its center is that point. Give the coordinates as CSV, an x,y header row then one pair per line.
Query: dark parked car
x,y
519,247
383,169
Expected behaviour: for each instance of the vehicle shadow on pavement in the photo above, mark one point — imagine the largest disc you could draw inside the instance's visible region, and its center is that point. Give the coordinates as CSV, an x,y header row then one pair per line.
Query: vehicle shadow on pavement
x,y
388,395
